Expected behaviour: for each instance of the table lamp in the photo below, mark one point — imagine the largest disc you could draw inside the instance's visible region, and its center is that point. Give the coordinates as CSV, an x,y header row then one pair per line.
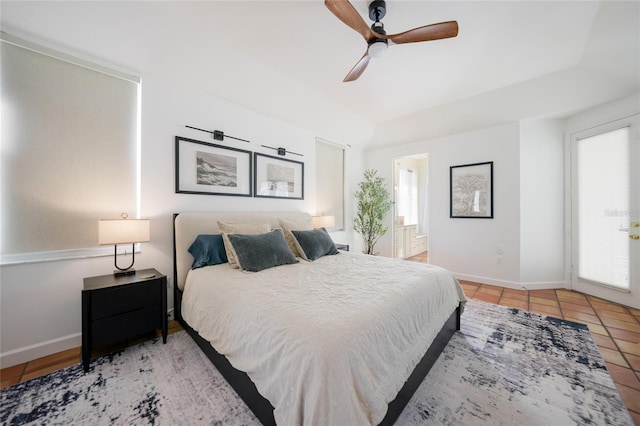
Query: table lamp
x,y
323,221
123,231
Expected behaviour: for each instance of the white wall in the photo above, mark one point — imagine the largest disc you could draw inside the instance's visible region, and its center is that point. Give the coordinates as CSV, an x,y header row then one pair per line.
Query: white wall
x,y
542,203
40,302
467,247
604,113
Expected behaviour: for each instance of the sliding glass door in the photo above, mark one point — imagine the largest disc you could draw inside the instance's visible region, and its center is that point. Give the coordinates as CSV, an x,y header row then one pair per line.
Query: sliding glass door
x,y
606,212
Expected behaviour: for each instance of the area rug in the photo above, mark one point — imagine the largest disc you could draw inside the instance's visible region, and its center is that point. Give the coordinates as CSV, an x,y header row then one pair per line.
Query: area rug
x,y
505,367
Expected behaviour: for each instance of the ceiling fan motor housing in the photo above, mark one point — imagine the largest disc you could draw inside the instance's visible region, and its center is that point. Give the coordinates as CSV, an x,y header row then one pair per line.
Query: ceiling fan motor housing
x,y
377,46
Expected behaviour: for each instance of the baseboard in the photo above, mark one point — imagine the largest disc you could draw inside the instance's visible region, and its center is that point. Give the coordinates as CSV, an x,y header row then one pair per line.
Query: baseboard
x,y
31,352
542,285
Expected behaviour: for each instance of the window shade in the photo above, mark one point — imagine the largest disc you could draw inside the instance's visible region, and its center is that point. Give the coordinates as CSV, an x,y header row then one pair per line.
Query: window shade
x,y
69,150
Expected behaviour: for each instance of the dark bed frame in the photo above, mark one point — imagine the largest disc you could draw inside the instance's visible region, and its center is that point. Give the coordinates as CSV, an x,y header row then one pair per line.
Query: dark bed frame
x,y
263,409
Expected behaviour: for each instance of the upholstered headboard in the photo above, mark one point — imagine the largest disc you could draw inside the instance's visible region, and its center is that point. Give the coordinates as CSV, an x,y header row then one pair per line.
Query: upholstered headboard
x,y
187,226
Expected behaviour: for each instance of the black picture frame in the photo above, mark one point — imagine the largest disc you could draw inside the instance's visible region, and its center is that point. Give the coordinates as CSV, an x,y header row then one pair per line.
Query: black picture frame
x,y
471,191
211,169
276,177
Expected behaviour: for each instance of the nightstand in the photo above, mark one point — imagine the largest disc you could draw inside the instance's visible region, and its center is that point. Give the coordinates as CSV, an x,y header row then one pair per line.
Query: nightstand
x,y
115,309
343,247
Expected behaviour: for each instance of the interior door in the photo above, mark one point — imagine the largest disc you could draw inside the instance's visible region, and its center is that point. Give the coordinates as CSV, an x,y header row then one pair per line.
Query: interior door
x,y
606,211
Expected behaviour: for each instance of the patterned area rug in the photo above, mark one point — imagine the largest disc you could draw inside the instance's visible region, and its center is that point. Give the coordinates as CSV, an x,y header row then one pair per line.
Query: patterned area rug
x,y
505,367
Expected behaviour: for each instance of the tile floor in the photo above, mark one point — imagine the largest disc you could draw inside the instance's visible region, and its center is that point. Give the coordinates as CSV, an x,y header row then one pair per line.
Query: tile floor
x,y
615,329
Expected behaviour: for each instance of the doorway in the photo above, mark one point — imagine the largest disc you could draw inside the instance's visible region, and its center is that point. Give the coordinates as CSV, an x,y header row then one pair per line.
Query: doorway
x,y
411,207
606,211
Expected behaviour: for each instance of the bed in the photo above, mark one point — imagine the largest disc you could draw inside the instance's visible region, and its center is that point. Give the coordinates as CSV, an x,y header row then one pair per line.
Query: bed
x,y
342,338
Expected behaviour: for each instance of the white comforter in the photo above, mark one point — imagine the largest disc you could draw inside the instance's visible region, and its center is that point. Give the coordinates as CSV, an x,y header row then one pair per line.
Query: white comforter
x,y
329,342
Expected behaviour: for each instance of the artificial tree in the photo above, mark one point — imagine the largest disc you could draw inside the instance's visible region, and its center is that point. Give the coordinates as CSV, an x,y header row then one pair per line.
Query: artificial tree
x,y
374,202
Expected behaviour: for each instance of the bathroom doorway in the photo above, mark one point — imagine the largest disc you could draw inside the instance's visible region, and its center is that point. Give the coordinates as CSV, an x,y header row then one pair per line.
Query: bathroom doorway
x,y
411,207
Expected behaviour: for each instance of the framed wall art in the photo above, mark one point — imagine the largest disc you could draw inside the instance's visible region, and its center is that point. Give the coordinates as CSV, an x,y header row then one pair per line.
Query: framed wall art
x,y
206,168
471,187
276,177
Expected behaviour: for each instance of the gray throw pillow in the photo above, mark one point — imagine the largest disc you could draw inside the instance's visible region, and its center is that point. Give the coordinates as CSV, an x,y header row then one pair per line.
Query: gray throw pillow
x,y
261,251
315,244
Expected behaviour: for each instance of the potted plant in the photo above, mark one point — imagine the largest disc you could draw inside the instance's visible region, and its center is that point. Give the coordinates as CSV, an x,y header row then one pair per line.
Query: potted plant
x,y
374,202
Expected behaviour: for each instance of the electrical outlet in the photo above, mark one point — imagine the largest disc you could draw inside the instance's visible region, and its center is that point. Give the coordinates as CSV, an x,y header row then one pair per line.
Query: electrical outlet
x,y
499,250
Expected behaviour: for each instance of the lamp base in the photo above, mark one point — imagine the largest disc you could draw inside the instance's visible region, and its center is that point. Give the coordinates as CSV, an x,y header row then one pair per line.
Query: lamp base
x,y
119,273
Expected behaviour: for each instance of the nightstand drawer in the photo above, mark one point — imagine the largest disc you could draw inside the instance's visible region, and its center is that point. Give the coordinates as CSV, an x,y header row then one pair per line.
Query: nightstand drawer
x,y
106,331
117,300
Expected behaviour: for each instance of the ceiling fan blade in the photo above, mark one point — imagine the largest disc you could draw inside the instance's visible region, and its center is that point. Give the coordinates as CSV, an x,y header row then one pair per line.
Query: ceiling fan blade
x,y
428,32
358,68
345,12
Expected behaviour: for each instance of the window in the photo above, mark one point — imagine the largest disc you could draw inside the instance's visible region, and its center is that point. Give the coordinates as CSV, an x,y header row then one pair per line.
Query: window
x,y
69,150
330,181
408,196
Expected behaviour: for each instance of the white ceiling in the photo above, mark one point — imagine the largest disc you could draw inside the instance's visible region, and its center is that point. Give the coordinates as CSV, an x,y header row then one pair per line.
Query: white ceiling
x,y
288,58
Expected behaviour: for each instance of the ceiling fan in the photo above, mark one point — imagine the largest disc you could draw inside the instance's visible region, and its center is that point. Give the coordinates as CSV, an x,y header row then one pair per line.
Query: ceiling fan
x,y
376,37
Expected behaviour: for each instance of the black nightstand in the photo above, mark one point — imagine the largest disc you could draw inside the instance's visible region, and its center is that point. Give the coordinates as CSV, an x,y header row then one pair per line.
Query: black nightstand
x,y
115,309
343,247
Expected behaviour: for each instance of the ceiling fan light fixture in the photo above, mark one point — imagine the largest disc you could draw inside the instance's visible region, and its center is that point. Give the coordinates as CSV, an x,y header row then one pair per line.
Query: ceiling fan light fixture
x,y
377,49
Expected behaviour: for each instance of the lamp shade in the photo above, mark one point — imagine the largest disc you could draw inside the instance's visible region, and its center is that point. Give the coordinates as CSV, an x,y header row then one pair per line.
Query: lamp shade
x,y
323,221
123,231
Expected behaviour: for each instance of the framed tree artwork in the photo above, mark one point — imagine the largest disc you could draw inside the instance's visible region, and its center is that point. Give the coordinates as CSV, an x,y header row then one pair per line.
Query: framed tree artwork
x,y
471,191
